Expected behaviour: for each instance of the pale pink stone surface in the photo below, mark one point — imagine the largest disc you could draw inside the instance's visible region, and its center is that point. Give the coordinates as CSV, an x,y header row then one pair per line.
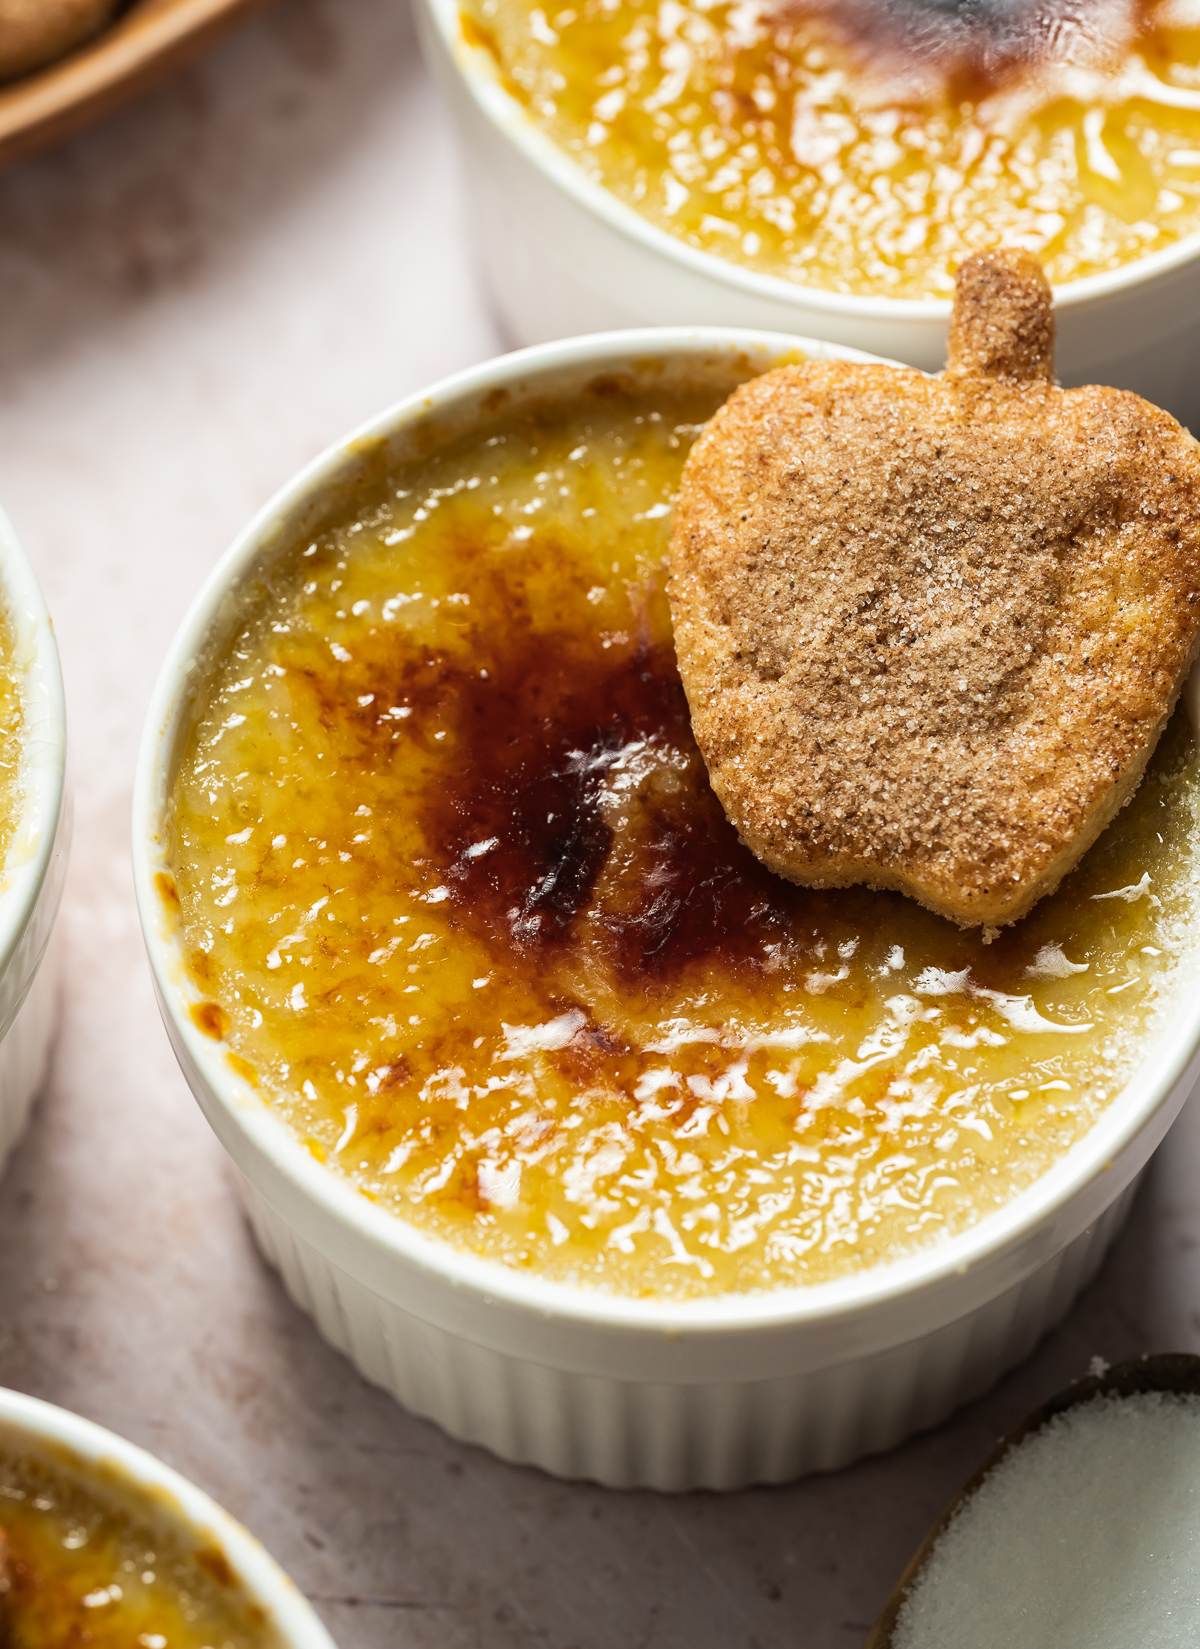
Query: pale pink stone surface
x,y
194,298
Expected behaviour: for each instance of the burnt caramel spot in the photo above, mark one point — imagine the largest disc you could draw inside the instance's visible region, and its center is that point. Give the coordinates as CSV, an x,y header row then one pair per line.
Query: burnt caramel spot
x,y
519,833
211,1019
399,1074
216,1565
609,386
976,46
164,882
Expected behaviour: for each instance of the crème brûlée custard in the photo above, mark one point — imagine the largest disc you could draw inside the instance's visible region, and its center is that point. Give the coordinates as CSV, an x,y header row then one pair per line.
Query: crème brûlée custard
x,y
80,1567
868,146
457,896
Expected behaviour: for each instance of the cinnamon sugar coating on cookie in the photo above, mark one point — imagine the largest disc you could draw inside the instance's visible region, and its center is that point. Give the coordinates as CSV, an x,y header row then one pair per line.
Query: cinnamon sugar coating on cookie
x,y
1002,325
930,629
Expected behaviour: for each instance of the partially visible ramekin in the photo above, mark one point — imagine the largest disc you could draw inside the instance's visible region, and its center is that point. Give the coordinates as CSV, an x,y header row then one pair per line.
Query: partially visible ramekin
x,y
136,1483
563,255
35,866
710,1393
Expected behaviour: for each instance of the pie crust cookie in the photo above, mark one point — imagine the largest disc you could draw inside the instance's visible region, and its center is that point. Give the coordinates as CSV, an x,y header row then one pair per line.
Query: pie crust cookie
x,y
36,32
930,628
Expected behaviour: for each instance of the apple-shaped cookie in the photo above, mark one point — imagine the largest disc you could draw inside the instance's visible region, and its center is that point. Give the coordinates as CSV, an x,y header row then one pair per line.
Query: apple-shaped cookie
x,y
930,628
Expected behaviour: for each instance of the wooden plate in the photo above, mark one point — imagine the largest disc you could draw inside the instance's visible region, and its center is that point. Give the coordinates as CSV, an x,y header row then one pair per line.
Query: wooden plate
x,y
1174,1371
148,39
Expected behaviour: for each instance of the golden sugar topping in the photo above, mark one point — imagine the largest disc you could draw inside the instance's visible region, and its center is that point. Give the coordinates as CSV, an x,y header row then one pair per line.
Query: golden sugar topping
x,y
459,898
869,146
77,1568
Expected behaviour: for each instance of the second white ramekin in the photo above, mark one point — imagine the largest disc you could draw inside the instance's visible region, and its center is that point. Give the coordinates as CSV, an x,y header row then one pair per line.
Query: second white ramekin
x,y
35,867
563,255
136,1483
709,1393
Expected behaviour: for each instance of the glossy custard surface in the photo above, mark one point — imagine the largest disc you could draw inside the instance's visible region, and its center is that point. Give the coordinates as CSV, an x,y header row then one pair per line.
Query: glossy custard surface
x,y
79,1572
868,146
459,898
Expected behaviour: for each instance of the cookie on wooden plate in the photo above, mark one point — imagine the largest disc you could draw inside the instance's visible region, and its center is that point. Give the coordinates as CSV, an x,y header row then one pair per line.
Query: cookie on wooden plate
x,y
930,628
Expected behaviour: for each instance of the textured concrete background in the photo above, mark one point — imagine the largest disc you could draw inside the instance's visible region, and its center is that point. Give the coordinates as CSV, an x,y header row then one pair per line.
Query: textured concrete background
x,y
194,297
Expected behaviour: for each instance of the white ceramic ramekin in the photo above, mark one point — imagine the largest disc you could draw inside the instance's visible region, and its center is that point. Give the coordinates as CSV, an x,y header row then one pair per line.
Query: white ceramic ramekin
x,y
563,255
35,867
135,1482
714,1393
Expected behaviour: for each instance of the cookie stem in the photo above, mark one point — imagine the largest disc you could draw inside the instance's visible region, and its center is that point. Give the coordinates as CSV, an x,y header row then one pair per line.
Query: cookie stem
x,y
1003,320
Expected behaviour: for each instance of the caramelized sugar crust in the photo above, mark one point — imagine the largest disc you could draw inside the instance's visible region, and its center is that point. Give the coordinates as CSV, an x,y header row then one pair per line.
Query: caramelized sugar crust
x,y
930,628
78,1571
868,146
460,899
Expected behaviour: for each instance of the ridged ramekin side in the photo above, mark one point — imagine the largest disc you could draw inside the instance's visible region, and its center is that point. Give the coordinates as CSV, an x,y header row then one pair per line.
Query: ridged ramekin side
x,y
34,867
25,1053
632,1434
